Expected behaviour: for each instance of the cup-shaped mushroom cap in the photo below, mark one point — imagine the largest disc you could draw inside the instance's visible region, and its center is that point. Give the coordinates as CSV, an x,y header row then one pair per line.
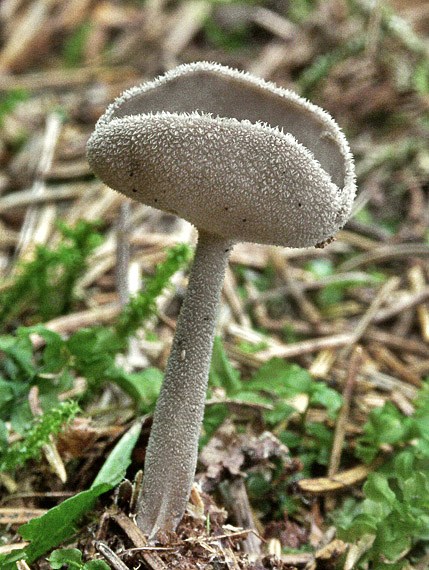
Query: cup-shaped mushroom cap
x,y
232,154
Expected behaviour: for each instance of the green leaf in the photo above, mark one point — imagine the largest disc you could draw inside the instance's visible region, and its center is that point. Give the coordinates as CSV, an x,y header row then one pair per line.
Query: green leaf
x,y
116,464
377,489
55,353
74,45
391,540
222,374
396,506
45,285
214,416
388,565
21,416
282,410
63,556
144,386
142,305
416,489
6,392
331,295
323,396
227,39
10,100
4,435
93,350
252,397
281,378
8,561
20,351
320,442
290,439
384,425
39,434
59,523
404,464
362,524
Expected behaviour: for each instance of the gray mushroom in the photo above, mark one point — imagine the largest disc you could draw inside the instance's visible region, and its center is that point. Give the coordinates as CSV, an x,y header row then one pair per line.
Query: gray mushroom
x,y
242,160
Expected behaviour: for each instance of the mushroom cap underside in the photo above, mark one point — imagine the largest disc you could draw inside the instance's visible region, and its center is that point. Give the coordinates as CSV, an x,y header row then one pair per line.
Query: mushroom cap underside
x,y
208,143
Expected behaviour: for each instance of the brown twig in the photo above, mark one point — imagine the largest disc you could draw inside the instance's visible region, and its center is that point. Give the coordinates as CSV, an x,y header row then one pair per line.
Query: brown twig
x,y
33,230
337,278
24,33
307,308
402,370
339,433
7,548
112,558
396,341
28,197
139,540
385,253
74,321
417,280
22,565
401,305
300,348
19,515
228,535
188,20
230,292
371,312
236,496
340,481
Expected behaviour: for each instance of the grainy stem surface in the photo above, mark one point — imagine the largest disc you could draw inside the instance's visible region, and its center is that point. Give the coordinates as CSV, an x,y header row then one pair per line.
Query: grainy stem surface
x,y
173,444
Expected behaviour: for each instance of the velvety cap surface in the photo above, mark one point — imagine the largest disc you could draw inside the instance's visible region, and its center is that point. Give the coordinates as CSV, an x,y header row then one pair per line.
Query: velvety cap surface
x,y
230,153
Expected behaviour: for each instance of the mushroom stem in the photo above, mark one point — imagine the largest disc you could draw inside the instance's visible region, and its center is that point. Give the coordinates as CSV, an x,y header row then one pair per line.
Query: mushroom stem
x,y
172,450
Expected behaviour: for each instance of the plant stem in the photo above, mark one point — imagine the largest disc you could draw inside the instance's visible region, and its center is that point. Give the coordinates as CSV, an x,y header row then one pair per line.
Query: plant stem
x,y
172,451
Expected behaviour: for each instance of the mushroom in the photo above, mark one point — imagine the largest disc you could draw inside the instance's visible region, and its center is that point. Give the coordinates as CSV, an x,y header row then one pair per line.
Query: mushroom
x,y
242,160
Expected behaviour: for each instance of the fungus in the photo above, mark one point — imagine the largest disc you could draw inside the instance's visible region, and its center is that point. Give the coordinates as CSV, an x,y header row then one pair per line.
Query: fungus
x,y
242,160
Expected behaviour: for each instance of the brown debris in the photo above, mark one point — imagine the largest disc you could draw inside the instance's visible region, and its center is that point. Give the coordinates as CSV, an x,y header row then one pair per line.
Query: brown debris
x,y
192,546
340,481
271,301
231,454
289,533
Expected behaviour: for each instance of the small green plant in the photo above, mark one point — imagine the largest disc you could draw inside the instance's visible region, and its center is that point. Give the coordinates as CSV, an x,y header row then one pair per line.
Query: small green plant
x,y
420,77
74,46
21,368
251,347
73,557
277,383
227,39
300,10
62,521
388,426
45,287
395,512
89,352
38,435
9,101
142,306
323,64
